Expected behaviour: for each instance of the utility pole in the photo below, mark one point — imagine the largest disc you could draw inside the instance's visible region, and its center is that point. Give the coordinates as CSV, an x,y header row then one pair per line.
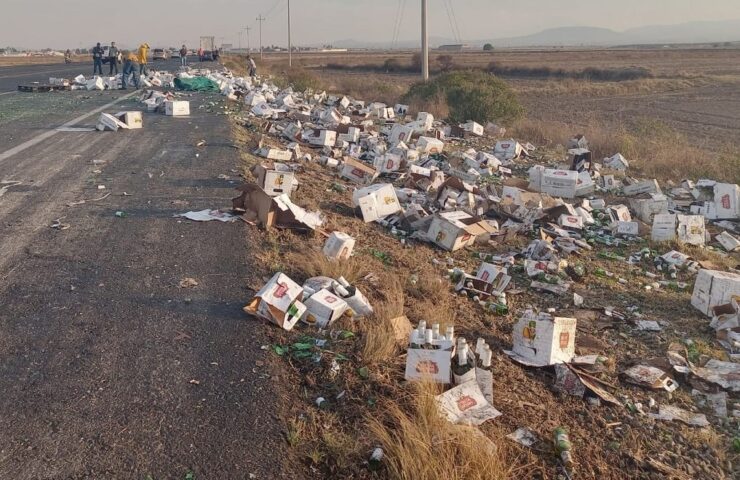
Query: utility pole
x,y
261,19
424,42
248,46
290,42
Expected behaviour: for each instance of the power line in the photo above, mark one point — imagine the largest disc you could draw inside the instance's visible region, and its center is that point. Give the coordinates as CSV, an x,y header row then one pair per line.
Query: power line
x,y
396,25
457,25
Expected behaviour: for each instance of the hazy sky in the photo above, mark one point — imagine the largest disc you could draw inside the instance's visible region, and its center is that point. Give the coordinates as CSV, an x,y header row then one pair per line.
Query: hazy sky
x,y
80,23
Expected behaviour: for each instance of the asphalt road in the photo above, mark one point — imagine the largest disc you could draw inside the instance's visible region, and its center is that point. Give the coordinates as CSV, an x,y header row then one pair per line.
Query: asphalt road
x,y
108,369
11,77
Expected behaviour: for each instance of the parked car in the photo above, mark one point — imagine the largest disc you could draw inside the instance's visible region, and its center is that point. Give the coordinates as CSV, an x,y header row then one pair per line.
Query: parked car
x,y
174,53
159,54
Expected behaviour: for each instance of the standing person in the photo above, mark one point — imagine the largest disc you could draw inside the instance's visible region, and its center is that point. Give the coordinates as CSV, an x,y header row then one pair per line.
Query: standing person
x,y
97,55
184,56
143,58
216,54
200,54
113,58
251,66
129,68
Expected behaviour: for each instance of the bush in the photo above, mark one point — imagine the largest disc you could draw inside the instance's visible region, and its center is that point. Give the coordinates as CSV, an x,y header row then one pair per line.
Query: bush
x,y
392,65
301,80
487,47
446,62
469,96
416,62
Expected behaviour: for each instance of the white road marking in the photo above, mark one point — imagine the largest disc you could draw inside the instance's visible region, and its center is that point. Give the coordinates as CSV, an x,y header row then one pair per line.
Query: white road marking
x,y
29,74
40,138
7,93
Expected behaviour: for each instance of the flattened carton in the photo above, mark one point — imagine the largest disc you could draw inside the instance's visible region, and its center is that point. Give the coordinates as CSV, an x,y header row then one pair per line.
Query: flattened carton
x,y
647,186
542,339
279,302
466,405
376,201
323,308
357,171
339,246
429,365
714,288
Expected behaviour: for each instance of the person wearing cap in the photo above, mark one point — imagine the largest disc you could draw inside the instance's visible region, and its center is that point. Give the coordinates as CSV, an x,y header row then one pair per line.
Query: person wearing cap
x,y
143,58
97,55
129,68
113,58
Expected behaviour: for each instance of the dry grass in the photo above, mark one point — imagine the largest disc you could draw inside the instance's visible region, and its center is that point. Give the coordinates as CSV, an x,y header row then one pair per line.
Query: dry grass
x,y
421,445
317,265
654,149
603,89
379,343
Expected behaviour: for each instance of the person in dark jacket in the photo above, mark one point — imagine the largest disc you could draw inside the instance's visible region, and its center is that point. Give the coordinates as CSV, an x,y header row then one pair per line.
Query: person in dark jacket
x,y
113,58
184,56
97,55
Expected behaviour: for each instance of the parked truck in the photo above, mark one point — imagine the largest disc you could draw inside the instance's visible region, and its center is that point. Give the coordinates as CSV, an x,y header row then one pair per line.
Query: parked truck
x,y
207,44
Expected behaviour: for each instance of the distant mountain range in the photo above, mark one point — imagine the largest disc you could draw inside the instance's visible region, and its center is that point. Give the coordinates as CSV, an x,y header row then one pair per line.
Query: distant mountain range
x,y
691,32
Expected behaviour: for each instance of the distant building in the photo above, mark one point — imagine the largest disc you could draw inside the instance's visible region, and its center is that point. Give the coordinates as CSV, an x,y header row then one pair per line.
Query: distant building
x,y
453,48
227,46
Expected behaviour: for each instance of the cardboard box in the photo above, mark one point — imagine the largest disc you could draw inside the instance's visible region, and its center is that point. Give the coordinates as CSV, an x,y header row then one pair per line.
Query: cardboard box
x,y
279,302
508,150
559,183
107,121
571,221
541,339
359,304
278,211
352,135
276,180
664,227
134,120
176,108
339,246
323,138
376,201
357,171
388,163
726,201
631,229
400,133
647,186
714,288
617,162
474,129
275,154
647,208
323,308
728,242
691,229
430,145
455,230
428,365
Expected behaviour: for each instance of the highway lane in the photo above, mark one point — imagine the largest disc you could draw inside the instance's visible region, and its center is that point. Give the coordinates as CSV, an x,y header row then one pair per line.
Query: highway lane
x,y
11,77
107,368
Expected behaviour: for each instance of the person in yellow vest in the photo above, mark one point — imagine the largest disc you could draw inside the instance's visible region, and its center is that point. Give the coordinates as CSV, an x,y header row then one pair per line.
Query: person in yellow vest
x,y
129,68
143,58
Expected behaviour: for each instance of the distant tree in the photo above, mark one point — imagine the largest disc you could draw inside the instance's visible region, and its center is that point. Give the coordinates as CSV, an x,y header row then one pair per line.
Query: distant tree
x,y
487,47
446,62
392,65
416,62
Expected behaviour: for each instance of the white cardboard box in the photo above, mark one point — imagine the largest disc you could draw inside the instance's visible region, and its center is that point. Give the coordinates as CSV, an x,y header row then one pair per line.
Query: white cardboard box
x,y
400,133
376,201
278,302
134,120
339,246
432,365
430,145
177,108
713,288
276,180
664,227
627,228
325,138
324,307
559,183
357,171
727,201
691,229
543,339
647,186
455,230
